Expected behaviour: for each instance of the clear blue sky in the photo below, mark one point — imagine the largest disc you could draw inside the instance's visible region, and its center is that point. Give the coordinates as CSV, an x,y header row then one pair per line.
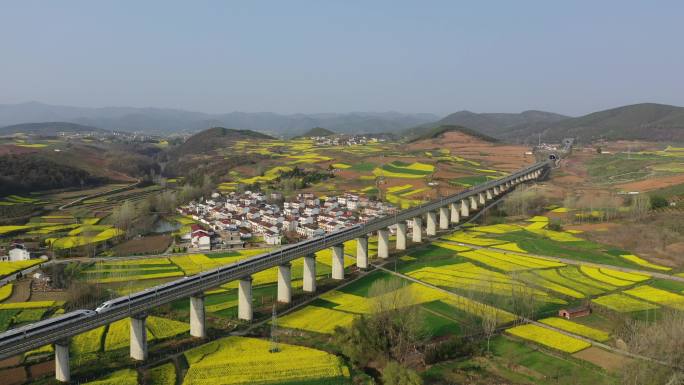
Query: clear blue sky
x,y
322,56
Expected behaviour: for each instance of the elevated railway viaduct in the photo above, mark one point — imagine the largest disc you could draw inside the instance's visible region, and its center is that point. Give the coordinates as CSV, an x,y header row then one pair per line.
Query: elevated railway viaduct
x,y
426,218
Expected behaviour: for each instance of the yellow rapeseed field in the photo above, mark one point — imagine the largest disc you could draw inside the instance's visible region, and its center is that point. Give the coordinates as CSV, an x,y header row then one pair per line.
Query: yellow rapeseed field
x,y
550,338
576,328
659,296
623,303
5,291
242,361
642,262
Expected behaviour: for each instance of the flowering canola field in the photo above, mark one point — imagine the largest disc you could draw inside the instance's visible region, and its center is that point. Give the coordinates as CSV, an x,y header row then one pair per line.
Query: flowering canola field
x,y
241,360
549,338
576,328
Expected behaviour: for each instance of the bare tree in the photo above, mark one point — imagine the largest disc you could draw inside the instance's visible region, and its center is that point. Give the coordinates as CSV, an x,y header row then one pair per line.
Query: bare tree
x,y
661,340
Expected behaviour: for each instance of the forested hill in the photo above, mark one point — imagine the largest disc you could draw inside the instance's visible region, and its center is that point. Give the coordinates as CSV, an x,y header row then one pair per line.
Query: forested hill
x,y
317,131
493,125
422,133
28,173
647,121
209,140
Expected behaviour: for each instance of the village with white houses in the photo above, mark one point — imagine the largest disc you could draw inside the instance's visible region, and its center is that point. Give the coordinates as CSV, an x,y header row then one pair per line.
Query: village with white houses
x,y
230,221
343,140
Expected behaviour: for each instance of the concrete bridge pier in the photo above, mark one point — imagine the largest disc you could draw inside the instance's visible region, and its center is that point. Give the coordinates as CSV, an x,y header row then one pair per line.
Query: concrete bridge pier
x,y
473,203
417,230
362,252
443,218
197,317
62,371
453,208
285,283
338,262
401,236
310,273
489,194
383,243
496,191
481,198
464,208
139,337
245,299
431,227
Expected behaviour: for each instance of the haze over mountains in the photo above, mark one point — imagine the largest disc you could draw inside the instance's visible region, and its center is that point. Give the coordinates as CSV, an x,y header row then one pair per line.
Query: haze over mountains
x,y
648,121
167,121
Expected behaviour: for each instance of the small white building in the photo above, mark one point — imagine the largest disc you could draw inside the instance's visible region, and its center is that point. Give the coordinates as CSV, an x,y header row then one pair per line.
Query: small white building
x,y
201,240
15,255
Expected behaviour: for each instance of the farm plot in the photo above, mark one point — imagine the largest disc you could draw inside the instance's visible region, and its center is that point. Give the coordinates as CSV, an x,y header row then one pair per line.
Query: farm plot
x,y
398,169
548,338
7,268
123,271
6,291
120,377
508,262
88,342
622,303
163,375
659,296
316,319
469,277
242,360
642,262
575,328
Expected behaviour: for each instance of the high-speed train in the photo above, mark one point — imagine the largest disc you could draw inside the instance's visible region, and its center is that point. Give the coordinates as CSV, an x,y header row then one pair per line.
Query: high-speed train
x,y
156,290
46,325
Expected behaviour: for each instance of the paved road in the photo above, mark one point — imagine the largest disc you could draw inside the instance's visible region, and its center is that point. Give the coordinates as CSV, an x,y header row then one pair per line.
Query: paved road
x,y
25,272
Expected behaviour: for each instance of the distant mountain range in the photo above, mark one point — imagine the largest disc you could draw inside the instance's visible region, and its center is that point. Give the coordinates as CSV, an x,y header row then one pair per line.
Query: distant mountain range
x,y
317,131
168,121
648,121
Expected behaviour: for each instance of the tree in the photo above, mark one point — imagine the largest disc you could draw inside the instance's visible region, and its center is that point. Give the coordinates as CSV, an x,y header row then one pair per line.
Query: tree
x,y
658,202
393,330
661,340
490,321
124,216
639,206
396,374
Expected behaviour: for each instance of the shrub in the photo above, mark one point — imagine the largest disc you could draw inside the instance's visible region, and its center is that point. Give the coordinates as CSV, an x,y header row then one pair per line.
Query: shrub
x,y
395,374
658,202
